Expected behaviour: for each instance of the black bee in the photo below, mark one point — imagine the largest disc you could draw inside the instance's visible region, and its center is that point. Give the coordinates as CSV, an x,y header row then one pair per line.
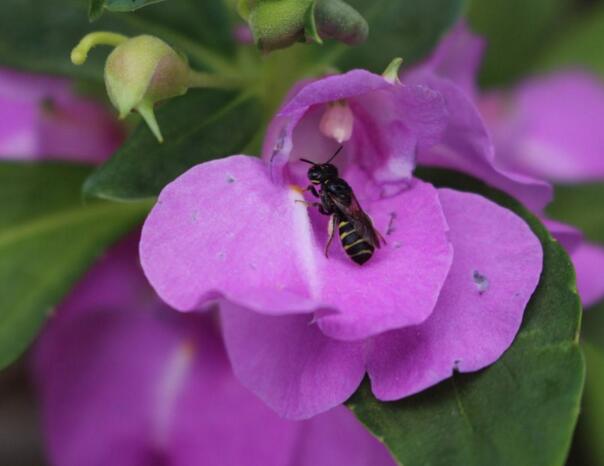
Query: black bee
x,y
358,236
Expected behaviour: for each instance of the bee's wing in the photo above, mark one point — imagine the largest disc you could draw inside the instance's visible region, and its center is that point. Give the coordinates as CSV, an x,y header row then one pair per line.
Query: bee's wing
x,y
359,219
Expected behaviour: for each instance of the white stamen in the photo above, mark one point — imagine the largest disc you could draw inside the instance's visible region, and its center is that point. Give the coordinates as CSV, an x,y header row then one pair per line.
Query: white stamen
x,y
337,122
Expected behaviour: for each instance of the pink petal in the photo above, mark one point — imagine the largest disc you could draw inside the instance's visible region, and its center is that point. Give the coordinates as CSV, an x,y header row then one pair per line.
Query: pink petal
x,y
400,285
289,363
589,262
136,385
550,127
390,122
278,146
466,146
458,57
568,236
326,435
224,230
41,117
497,266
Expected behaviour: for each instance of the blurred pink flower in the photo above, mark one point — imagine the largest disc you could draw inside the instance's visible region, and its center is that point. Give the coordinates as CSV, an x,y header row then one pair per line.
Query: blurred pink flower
x,y
42,118
126,382
447,292
545,130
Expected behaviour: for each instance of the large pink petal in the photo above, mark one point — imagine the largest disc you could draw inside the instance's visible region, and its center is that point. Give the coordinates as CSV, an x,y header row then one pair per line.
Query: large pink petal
x,y
589,262
225,230
289,363
495,272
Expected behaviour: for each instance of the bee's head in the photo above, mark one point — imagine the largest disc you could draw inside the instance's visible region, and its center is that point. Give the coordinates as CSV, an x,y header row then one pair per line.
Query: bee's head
x,y
320,173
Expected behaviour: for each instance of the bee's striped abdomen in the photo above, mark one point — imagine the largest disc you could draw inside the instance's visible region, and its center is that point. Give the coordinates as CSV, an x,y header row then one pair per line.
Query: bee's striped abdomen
x,y
355,245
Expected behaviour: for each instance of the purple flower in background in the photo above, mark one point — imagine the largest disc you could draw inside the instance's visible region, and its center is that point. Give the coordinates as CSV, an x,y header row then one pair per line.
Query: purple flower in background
x,y
545,130
447,292
43,118
124,381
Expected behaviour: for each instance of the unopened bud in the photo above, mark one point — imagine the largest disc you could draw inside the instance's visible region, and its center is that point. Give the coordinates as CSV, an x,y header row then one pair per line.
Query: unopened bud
x,y
139,72
337,122
280,23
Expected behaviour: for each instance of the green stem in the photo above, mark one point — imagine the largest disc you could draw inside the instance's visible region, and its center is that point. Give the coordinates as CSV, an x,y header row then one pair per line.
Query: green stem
x,y
79,54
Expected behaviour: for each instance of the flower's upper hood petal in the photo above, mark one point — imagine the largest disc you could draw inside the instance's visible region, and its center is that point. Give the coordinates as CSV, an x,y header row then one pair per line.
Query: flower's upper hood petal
x,y
550,127
391,121
497,266
225,230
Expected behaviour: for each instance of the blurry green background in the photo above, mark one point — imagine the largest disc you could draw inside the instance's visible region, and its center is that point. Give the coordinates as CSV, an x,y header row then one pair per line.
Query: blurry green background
x,y
525,37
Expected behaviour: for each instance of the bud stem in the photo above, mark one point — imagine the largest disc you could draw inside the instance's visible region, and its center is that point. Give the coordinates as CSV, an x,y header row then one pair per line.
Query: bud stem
x,y
79,54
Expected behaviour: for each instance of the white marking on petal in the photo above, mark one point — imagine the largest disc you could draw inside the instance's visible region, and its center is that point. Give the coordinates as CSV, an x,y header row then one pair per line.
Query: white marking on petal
x,y
169,387
305,244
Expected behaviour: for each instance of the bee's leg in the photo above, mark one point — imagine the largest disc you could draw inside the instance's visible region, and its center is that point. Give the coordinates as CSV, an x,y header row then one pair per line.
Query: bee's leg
x,y
318,205
331,229
312,190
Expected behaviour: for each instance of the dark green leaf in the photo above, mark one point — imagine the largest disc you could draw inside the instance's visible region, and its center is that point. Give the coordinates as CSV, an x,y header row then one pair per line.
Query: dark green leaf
x,y
202,126
516,32
521,410
96,6
39,35
407,29
48,238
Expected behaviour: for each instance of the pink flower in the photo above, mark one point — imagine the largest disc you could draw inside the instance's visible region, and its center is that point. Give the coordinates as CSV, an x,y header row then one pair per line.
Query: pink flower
x,y
41,117
545,130
447,292
124,381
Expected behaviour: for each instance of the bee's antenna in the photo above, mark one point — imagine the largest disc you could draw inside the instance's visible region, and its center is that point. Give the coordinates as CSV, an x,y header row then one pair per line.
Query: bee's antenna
x,y
307,161
336,153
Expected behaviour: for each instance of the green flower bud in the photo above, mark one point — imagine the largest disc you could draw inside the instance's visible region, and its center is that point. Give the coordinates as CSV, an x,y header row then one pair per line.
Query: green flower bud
x,y
280,23
139,72
142,71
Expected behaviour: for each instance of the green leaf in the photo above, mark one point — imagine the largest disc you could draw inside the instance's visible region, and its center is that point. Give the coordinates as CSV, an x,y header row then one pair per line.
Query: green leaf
x,y
407,29
533,23
521,410
96,7
48,238
39,35
202,126
579,45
